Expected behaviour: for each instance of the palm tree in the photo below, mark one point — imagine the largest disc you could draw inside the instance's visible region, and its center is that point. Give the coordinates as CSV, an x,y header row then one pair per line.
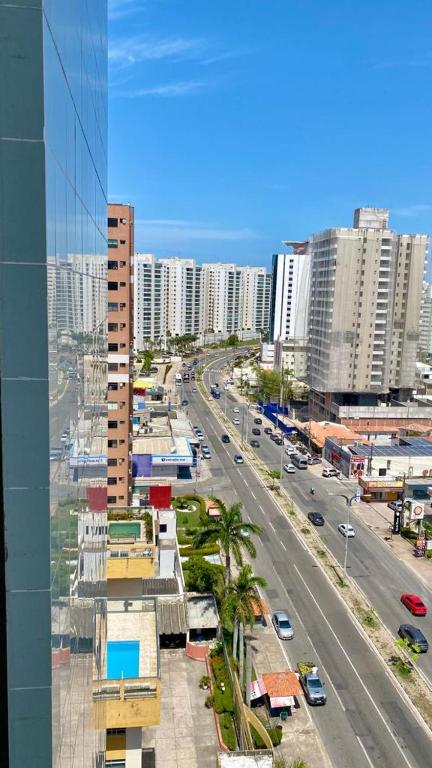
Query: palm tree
x,y
238,608
230,532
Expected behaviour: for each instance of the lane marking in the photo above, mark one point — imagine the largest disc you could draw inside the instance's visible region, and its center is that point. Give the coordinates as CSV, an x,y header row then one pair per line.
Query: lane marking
x,y
283,545
368,694
364,751
272,526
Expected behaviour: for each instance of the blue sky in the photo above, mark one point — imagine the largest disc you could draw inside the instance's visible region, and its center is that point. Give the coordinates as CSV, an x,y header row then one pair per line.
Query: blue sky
x,y
235,124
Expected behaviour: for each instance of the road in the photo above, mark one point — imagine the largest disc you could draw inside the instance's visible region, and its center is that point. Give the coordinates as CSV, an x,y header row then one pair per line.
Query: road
x,y
366,722
371,563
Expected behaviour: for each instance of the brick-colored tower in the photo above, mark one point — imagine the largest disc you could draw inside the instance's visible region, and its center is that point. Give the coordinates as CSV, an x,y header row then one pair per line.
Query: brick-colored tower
x,y
120,348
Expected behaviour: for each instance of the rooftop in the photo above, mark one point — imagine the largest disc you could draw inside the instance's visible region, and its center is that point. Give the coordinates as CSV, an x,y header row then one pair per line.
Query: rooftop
x,y
405,446
319,430
202,612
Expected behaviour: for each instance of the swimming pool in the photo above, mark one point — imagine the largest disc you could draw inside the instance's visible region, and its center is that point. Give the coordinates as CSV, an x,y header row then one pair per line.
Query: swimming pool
x,y
122,659
124,530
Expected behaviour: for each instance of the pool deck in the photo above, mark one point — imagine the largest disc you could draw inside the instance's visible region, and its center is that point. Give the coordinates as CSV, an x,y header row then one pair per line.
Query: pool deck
x,y
141,626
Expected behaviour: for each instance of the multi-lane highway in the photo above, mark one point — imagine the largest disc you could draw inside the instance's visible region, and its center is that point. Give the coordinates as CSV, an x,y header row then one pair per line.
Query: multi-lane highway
x,y
366,721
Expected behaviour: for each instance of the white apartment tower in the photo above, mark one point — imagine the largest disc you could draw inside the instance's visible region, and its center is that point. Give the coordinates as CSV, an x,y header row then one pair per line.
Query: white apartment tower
x,y
289,308
222,298
183,296
149,320
366,290
255,285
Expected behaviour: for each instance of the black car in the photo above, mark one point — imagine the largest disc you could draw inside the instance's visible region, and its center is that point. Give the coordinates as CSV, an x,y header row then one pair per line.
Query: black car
x,y
268,431
414,636
256,431
273,436
185,402
255,443
278,441
257,421
316,518
225,438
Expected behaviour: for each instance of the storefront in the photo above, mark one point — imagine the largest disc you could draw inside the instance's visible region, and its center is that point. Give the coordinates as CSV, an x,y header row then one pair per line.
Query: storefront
x,y
376,490
349,464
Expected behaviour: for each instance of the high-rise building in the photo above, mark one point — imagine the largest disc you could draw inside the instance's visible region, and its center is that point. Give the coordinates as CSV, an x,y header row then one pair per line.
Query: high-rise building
x,y
149,315
366,289
120,347
289,308
183,297
255,286
53,70
222,298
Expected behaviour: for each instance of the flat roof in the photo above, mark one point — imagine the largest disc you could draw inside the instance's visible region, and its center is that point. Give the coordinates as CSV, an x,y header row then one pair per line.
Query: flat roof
x,y
406,446
202,612
244,760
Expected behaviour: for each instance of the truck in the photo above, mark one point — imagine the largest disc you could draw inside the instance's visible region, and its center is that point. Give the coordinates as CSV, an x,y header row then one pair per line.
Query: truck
x,y
178,379
310,681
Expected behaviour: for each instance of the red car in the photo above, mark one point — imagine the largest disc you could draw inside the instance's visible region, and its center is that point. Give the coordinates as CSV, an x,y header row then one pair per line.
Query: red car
x,y
414,604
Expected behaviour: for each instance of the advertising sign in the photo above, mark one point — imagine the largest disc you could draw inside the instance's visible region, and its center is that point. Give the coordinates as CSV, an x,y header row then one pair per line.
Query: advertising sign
x,y
171,459
397,521
415,509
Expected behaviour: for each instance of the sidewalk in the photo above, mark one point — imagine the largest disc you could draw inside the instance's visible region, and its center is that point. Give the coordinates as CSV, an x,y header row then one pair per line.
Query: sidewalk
x,y
300,737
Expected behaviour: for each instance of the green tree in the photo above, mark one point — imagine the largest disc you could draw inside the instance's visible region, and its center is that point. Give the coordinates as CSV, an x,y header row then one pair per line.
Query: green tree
x,y
146,359
230,532
273,386
232,340
274,475
202,576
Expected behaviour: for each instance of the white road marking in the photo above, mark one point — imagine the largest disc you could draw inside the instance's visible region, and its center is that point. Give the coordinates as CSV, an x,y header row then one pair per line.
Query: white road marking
x,y
368,694
252,494
283,545
364,751
272,526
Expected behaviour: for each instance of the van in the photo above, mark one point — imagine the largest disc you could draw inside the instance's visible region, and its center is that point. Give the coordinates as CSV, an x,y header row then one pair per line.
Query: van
x,y
299,461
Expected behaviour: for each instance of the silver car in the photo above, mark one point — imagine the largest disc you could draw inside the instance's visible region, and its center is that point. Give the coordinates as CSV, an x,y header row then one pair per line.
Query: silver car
x,y
282,625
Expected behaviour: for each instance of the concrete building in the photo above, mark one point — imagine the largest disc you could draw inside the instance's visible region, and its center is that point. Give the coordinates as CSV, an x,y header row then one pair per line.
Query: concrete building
x,y
222,298
183,297
149,314
289,308
120,344
425,329
366,287
255,293
53,139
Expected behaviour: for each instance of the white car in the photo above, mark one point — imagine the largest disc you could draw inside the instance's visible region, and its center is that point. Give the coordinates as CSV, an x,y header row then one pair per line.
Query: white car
x,y
236,410
346,530
290,468
236,421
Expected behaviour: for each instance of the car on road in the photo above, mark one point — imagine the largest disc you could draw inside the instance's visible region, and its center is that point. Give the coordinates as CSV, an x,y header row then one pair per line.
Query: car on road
x,y
414,636
314,460
196,428
225,438
236,410
346,530
396,506
255,443
329,472
194,389
316,518
185,402
257,421
256,431
290,469
282,625
414,603
268,431
236,421
238,459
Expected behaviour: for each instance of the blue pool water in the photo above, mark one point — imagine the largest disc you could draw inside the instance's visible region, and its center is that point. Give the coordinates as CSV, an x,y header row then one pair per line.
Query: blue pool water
x,y
122,659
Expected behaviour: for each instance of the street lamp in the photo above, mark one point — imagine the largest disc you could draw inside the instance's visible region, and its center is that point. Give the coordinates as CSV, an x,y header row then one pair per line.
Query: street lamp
x,y
349,500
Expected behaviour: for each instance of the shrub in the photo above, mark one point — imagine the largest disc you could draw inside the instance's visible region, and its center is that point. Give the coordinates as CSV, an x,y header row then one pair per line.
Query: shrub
x,y
148,520
185,540
201,576
228,731
209,701
223,701
167,370
217,649
408,533
209,549
205,681
274,733
305,530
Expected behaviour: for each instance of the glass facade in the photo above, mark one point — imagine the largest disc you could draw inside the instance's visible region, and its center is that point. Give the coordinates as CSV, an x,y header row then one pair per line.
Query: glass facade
x,y
53,161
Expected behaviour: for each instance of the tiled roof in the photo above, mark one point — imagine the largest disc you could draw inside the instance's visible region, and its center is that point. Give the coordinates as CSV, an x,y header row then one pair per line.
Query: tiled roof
x,y
282,684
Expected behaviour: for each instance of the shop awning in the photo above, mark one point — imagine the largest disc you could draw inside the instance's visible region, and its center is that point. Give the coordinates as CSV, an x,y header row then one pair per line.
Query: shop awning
x,y
257,689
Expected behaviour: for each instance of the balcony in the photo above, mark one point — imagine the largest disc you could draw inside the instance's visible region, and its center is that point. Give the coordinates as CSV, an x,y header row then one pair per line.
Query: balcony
x,y
130,703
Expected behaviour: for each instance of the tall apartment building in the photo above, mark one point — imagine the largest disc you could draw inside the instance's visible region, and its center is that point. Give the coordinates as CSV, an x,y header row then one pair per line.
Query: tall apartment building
x,y
222,298
53,138
183,296
289,308
255,291
366,289
149,317
120,347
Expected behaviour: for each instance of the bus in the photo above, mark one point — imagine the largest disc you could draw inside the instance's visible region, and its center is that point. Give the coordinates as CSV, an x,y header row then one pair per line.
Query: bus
x,y
299,461
178,379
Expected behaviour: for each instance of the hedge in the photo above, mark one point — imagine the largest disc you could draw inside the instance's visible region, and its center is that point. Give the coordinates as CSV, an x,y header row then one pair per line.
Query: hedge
x,y
194,497
274,733
408,533
223,700
228,731
210,549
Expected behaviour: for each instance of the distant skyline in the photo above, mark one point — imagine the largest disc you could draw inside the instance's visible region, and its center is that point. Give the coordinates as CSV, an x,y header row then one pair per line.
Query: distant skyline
x,y
234,126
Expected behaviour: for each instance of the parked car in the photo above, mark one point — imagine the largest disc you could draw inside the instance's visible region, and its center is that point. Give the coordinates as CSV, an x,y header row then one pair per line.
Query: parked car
x,y
329,472
396,506
257,421
282,625
255,443
205,450
278,441
414,636
268,431
316,518
236,421
236,410
238,459
225,438
314,460
196,429
346,530
290,469
273,436
256,431
414,603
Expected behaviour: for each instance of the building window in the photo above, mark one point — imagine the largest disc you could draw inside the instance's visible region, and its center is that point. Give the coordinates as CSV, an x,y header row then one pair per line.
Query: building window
x,y
112,443
112,286
112,347
111,481
162,528
112,307
112,222
112,264
122,242
112,243
111,499
112,462
112,425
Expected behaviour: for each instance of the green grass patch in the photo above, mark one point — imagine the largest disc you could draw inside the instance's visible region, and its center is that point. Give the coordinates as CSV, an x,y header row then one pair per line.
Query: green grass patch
x,y
228,731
